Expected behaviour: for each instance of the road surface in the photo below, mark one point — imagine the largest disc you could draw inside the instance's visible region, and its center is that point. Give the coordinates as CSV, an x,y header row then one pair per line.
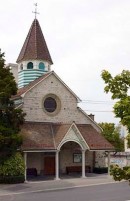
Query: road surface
x,y
107,192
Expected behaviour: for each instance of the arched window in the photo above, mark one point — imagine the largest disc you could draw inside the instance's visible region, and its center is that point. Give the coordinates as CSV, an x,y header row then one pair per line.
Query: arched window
x,y
41,66
30,65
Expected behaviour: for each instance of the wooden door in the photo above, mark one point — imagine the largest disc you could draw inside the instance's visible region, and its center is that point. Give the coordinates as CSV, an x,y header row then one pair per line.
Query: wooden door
x,y
49,165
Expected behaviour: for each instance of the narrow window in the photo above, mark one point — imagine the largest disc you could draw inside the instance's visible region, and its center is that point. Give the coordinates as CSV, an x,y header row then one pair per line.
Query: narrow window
x,y
21,67
41,66
30,65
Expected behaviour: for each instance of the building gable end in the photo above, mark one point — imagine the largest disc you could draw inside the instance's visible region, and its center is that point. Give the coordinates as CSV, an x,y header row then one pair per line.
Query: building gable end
x,y
73,134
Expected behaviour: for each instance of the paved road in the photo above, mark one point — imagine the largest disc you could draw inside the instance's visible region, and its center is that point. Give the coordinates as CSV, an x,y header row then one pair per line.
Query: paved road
x,y
106,192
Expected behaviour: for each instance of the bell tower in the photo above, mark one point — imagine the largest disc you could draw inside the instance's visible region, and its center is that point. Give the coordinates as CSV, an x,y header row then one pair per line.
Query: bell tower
x,y
34,59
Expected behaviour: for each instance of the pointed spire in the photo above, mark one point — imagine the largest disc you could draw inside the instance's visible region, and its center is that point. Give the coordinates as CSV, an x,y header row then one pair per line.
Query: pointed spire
x,y
35,46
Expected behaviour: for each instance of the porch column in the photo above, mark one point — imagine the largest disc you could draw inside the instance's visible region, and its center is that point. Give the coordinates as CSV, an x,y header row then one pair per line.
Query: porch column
x,y
57,165
108,163
83,164
25,163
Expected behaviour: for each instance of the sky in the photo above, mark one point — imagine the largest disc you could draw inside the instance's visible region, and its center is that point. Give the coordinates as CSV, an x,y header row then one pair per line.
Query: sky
x,y
84,38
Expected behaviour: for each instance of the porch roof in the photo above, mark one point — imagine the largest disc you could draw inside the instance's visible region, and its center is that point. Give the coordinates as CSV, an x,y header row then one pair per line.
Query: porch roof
x,y
47,136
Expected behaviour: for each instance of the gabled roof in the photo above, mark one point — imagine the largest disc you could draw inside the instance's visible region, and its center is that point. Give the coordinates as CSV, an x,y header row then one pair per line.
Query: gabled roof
x,y
32,84
94,139
35,46
44,136
94,122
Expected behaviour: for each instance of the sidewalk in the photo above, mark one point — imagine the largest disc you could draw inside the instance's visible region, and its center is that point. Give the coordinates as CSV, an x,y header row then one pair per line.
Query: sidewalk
x,y
51,185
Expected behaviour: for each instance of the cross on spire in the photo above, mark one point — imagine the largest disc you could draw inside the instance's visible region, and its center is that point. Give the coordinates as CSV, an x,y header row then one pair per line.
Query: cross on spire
x,y
35,12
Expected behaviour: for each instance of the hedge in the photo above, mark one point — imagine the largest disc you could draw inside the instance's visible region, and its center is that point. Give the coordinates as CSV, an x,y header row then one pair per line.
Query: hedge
x,y
100,170
12,179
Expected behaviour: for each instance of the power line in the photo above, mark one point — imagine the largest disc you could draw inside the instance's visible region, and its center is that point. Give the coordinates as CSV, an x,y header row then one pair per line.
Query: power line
x,y
97,102
96,111
31,107
84,101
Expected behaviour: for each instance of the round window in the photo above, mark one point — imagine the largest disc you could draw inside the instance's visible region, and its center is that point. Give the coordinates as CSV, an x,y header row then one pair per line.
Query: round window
x,y
50,104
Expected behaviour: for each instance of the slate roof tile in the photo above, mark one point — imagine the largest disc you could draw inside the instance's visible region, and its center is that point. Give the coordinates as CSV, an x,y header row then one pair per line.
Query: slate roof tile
x,y
93,138
35,46
46,136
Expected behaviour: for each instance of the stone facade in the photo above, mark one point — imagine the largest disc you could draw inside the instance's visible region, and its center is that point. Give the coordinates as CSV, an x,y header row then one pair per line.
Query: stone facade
x,y
35,160
69,112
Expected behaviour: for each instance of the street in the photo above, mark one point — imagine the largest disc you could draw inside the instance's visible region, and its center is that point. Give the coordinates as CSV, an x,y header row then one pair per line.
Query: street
x,y
106,192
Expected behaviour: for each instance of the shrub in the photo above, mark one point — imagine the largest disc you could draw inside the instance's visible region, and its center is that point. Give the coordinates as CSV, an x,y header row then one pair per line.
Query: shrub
x,y
127,172
12,169
116,172
120,173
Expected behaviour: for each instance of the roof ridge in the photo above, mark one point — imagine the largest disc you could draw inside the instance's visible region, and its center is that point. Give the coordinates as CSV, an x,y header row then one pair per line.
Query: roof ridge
x,y
31,84
52,132
25,44
35,21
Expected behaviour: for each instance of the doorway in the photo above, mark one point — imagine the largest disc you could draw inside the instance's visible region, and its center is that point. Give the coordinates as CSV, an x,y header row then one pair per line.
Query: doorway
x,y
49,165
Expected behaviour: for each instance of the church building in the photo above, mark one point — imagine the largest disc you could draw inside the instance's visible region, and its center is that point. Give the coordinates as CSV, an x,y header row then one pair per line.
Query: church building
x,y
58,136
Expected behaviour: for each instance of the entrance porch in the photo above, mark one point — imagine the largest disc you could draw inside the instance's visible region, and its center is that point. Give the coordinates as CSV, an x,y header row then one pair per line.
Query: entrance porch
x,y
69,160
65,163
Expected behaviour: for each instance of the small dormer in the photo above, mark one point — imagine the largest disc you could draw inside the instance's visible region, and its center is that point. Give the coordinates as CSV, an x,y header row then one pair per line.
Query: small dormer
x,y
34,59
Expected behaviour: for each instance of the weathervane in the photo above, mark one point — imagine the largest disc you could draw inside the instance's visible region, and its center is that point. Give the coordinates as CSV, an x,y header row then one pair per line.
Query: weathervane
x,y
35,4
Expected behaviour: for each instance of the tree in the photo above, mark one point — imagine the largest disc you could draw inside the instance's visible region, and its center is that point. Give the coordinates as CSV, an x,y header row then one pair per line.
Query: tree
x,y
10,118
112,134
119,87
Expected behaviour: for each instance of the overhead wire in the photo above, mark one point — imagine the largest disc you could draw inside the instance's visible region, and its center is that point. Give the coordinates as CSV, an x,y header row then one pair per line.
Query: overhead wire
x,y
101,102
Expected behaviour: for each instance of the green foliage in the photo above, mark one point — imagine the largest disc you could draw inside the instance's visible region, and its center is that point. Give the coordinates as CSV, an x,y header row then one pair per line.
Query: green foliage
x,y
119,86
128,140
13,166
127,172
8,85
120,173
10,118
12,170
117,172
112,134
9,142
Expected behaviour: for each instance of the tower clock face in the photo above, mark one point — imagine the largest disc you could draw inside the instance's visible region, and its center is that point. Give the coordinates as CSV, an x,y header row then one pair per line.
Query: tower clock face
x,y
51,104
